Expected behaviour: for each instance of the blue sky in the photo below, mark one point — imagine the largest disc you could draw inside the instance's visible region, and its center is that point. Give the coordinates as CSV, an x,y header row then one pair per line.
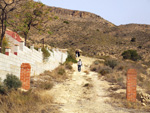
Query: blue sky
x,y
116,11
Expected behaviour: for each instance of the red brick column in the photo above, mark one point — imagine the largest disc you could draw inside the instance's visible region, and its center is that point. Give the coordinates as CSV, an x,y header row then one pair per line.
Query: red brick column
x,y
131,85
7,51
25,75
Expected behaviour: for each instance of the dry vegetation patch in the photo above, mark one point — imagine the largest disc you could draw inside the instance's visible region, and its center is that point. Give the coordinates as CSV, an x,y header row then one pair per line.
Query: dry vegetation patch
x,y
26,102
114,71
34,100
119,100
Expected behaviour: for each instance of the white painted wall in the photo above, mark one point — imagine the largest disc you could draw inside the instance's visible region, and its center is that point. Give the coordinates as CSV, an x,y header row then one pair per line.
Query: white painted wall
x,y
12,63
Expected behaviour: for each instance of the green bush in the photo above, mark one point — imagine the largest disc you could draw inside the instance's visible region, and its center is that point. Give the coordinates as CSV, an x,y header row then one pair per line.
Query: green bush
x,y
2,89
61,71
4,45
12,81
96,62
68,66
46,85
46,54
104,71
111,63
66,22
50,33
93,68
56,17
133,40
71,57
131,54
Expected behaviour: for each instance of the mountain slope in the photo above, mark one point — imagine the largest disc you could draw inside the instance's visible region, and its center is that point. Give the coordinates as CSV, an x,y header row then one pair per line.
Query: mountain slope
x,y
92,34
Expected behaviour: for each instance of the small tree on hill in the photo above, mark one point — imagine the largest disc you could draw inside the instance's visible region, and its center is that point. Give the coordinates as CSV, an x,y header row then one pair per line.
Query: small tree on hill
x,y
131,54
6,6
12,81
31,14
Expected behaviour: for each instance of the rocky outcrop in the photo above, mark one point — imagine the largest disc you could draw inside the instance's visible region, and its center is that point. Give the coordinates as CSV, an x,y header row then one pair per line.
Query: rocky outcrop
x,y
75,14
144,98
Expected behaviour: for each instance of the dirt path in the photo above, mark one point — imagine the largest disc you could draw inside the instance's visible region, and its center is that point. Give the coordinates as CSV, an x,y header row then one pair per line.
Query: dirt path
x,y
84,93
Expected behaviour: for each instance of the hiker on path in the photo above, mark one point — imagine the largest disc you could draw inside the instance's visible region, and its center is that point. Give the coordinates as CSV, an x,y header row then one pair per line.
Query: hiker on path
x,y
79,65
77,53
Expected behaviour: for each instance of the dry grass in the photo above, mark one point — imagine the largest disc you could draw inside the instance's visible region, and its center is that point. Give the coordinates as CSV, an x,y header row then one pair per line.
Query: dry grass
x,y
26,102
58,75
88,85
87,72
119,100
34,101
68,66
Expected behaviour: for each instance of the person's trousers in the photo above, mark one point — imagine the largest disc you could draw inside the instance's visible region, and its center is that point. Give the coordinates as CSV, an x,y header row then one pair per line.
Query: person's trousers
x,y
79,68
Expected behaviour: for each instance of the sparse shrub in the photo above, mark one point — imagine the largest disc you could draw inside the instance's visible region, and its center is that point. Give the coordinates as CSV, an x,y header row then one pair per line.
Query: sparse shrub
x,y
21,102
68,66
66,22
110,78
56,17
111,63
93,69
87,72
46,85
120,68
46,54
104,71
96,62
133,40
131,54
71,57
120,82
4,45
2,89
120,100
36,48
61,71
12,81
50,33
139,47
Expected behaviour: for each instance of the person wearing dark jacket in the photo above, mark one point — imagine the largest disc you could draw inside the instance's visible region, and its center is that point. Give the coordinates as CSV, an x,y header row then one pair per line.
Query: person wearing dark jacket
x,y
79,65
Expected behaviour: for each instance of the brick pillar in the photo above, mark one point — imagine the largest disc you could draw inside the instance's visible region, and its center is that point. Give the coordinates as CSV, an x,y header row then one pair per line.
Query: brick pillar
x,y
131,85
25,75
39,50
16,49
7,51
22,45
32,47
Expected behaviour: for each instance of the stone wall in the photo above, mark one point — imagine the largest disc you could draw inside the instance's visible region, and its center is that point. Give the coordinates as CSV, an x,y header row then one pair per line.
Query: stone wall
x,y
11,63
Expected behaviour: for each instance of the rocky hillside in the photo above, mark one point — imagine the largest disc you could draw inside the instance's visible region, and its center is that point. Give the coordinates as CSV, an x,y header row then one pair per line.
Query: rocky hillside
x,y
92,34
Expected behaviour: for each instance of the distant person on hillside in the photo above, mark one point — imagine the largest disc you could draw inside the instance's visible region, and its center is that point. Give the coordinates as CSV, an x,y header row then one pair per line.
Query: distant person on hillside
x,y
79,65
76,53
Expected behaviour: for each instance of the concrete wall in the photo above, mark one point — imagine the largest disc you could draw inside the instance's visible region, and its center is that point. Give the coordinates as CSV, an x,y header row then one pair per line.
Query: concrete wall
x,y
11,64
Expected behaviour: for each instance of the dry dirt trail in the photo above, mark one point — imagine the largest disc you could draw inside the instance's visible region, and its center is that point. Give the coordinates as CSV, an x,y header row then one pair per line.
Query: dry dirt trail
x,y
73,96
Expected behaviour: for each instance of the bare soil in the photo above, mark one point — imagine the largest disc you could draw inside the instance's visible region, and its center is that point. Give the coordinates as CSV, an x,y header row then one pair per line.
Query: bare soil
x,y
84,92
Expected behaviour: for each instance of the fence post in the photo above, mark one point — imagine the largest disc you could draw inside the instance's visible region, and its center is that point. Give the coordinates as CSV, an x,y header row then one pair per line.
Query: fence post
x,y
131,85
7,51
16,49
25,75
